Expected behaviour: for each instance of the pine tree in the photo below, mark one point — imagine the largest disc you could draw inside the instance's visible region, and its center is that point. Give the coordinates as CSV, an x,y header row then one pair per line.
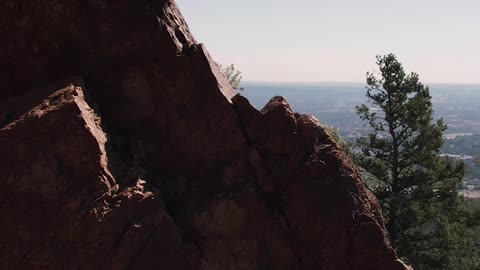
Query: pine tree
x,y
233,76
416,187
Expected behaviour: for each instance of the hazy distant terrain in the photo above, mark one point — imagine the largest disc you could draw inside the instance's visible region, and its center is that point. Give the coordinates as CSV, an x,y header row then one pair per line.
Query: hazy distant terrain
x,y
334,103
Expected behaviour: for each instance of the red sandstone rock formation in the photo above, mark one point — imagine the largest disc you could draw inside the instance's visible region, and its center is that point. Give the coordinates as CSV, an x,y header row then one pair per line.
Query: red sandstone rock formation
x,y
146,159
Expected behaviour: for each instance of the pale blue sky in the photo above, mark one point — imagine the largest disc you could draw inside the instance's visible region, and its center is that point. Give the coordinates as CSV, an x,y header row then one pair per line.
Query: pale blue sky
x,y
335,40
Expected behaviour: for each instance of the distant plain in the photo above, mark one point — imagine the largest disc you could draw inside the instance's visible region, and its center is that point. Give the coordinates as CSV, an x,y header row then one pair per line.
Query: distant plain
x,y
334,103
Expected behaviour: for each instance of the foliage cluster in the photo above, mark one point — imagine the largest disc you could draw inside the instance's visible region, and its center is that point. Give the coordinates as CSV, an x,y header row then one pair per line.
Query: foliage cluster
x,y
233,76
425,216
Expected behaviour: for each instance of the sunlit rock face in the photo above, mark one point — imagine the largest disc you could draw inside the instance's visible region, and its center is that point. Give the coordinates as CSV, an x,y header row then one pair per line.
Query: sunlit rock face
x,y
124,147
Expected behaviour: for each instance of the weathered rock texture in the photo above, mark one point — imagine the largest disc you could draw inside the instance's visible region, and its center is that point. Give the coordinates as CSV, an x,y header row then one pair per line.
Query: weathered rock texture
x,y
177,173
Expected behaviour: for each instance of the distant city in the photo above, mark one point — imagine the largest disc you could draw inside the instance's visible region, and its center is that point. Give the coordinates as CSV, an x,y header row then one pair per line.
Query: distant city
x,y
334,104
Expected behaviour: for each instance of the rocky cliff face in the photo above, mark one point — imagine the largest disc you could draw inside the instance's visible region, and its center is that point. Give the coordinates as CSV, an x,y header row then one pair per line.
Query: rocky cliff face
x,y
124,147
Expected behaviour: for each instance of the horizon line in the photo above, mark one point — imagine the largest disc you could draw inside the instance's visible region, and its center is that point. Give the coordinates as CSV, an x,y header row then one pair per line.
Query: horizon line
x,y
339,82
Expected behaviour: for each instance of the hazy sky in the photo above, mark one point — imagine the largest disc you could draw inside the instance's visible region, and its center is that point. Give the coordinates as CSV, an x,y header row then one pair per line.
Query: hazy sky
x,y
335,40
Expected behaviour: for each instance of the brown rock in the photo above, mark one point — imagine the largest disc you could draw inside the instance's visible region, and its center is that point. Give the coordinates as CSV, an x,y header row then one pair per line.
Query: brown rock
x,y
282,127
253,121
179,174
279,115
308,129
143,68
63,206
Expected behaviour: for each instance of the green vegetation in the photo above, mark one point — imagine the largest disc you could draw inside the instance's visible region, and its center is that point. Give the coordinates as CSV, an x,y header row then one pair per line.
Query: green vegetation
x,y
334,133
472,204
472,169
233,76
425,216
466,145
463,145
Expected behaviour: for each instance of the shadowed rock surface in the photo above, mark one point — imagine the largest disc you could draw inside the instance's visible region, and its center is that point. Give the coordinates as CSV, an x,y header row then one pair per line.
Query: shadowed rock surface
x,y
124,147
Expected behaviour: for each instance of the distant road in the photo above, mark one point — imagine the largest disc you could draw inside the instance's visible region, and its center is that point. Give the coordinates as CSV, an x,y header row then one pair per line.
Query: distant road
x,y
472,194
454,135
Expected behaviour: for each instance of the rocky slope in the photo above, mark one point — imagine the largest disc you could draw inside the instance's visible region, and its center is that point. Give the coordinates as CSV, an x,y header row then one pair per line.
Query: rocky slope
x,y
124,147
